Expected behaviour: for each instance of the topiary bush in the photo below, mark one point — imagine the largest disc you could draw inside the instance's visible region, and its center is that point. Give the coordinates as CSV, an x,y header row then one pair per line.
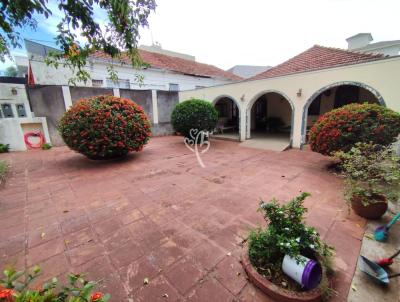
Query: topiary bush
x,y
194,114
340,129
105,126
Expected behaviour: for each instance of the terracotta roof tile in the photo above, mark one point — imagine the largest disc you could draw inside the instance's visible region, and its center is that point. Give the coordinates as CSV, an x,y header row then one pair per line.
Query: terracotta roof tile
x,y
315,58
156,60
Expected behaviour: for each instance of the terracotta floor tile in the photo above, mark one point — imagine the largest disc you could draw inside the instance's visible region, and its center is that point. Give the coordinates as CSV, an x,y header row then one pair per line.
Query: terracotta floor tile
x,y
158,214
44,251
210,290
184,274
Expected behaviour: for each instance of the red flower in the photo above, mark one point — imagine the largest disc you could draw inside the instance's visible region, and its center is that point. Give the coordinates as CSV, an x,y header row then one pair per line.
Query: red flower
x,y
96,297
6,294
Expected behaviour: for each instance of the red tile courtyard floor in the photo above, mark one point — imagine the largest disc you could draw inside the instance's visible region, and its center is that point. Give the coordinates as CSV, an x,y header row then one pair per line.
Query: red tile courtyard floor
x,y
158,215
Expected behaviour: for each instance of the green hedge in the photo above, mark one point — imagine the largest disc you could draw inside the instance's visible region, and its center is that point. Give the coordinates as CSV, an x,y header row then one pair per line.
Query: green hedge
x,y
194,114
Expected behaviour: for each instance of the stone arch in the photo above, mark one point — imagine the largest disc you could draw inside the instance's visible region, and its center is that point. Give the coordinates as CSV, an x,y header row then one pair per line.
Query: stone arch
x,y
254,100
327,87
222,96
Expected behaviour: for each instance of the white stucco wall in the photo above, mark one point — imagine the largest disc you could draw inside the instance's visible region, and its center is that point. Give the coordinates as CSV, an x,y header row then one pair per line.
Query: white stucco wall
x,y
381,75
12,130
153,78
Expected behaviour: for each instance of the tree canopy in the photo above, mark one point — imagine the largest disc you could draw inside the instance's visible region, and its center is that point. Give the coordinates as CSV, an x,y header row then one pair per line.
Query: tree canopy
x,y
11,71
118,35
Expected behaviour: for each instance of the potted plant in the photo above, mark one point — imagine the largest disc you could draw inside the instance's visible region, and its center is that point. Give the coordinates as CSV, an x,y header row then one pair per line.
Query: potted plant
x,y
372,178
277,255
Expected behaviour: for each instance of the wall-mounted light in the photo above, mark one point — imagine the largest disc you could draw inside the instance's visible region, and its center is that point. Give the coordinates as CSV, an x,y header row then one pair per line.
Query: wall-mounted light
x,y
299,92
242,98
14,91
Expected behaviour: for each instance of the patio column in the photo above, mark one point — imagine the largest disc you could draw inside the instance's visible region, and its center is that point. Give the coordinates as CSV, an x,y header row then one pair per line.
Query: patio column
x,y
242,126
248,123
297,124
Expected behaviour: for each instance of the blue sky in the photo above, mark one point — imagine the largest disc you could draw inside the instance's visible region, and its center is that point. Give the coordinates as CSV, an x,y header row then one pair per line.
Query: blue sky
x,y
254,32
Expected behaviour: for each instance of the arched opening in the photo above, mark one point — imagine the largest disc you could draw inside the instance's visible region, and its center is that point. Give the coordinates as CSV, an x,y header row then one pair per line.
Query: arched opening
x,y
335,96
270,119
228,124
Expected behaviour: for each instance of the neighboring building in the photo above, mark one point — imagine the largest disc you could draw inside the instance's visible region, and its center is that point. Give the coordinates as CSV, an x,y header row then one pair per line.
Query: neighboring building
x,y
247,71
167,70
284,101
16,116
362,42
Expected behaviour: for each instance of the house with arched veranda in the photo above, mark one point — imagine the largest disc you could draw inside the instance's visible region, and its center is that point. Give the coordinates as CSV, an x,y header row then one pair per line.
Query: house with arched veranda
x,y
283,102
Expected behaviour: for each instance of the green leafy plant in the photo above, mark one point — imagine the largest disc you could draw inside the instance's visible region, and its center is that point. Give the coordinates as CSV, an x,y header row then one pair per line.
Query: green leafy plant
x,y
340,129
46,146
4,148
3,171
370,170
285,234
16,287
194,114
104,127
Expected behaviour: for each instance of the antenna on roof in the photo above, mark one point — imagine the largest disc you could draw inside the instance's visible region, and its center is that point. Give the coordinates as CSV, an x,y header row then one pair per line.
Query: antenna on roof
x,y
152,39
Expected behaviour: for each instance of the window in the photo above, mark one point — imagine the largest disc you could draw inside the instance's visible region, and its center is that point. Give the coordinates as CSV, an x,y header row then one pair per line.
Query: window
x,y
173,87
97,83
122,83
7,110
314,108
21,110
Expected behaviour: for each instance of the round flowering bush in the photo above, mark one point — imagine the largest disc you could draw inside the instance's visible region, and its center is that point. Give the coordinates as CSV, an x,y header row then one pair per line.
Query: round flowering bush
x,y
340,129
194,114
104,127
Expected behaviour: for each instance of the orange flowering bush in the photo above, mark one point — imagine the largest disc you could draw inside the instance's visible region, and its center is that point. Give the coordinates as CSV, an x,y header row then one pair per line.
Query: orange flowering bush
x,y
340,129
16,287
104,127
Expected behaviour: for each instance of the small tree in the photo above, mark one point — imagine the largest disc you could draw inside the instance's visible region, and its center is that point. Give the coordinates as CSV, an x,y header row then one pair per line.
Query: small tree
x,y
11,71
119,35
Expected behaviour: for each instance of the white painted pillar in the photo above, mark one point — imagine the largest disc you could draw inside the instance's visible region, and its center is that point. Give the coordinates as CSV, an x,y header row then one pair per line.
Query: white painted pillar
x,y
297,124
243,123
248,123
155,106
67,97
116,92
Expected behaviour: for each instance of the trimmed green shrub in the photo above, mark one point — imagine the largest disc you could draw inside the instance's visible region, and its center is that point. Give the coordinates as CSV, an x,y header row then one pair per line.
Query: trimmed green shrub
x,y
340,129
4,148
104,127
194,114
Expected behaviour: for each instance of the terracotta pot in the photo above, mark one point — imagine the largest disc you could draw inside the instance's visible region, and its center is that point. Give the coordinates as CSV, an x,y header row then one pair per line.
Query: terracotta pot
x,y
374,210
274,291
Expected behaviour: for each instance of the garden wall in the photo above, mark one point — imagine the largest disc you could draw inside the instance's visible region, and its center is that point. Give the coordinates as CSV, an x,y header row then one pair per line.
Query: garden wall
x,y
166,101
48,101
51,101
86,92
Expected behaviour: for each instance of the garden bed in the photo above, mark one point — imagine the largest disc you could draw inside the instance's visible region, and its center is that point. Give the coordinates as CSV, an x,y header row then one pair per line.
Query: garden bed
x,y
275,291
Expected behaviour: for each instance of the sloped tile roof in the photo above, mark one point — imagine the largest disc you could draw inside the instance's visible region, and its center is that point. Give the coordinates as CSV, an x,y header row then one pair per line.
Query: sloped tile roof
x,y
161,61
315,58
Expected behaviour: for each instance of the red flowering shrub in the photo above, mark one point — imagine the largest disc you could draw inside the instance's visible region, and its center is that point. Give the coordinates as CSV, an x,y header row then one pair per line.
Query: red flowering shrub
x,y
105,127
340,129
